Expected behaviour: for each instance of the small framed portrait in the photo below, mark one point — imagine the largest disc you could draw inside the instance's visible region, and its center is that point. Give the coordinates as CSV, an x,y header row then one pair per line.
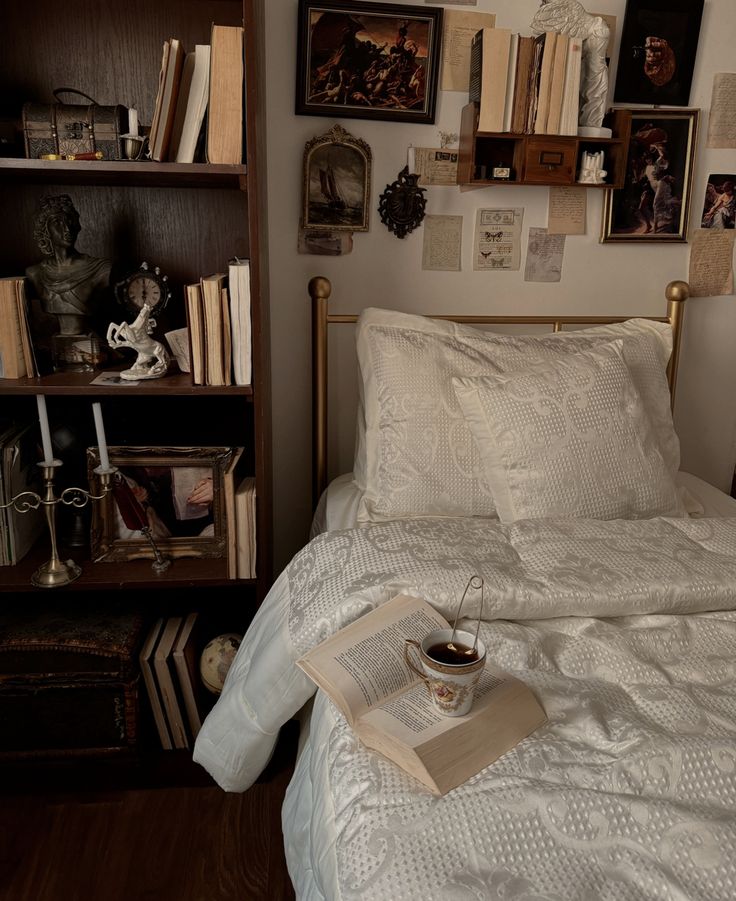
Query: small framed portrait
x,y
368,60
659,41
337,182
719,204
176,493
654,203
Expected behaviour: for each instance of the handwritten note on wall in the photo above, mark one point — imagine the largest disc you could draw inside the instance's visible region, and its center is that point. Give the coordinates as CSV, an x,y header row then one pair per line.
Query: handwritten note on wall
x,y
722,119
711,262
567,211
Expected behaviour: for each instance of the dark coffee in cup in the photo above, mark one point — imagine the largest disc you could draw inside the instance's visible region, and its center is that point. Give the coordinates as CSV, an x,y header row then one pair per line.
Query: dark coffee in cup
x,y
456,655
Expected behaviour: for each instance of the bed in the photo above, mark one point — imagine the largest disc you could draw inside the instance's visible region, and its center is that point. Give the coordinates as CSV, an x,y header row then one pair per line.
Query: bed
x,y
549,465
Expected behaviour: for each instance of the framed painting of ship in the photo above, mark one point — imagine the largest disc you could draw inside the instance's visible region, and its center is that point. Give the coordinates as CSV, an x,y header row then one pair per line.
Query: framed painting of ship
x,y
337,181
368,60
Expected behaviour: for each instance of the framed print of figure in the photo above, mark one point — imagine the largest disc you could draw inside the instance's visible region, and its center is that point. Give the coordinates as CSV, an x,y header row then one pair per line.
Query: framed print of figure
x,y
368,60
654,203
337,182
657,54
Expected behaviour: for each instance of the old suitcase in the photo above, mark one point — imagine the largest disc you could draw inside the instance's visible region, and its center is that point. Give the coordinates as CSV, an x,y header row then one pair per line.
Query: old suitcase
x,y
68,683
65,128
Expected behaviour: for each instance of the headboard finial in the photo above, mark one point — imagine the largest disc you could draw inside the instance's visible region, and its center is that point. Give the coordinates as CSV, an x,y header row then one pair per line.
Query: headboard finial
x,y
677,291
320,287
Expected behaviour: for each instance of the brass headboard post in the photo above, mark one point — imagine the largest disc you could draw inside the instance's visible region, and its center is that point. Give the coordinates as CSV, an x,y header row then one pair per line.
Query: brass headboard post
x,y
676,293
320,289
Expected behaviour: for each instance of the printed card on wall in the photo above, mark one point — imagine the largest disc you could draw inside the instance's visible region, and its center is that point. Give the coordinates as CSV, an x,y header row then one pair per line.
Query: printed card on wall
x,y
544,256
442,246
435,167
497,240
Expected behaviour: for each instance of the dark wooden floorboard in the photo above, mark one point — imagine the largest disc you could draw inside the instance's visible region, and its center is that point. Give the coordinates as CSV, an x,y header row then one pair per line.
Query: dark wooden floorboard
x,y
163,844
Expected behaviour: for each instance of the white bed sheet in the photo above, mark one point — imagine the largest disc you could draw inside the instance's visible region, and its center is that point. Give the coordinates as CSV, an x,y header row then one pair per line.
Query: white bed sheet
x,y
633,784
338,506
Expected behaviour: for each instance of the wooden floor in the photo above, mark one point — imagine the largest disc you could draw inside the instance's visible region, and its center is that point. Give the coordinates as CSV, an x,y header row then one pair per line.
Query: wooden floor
x,y
159,844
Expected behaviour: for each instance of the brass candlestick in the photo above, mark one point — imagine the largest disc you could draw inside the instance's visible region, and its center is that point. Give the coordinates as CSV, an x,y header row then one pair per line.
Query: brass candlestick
x,y
56,573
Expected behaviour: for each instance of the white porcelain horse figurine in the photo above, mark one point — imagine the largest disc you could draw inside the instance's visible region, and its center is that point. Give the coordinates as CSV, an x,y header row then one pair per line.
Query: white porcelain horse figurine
x,y
153,359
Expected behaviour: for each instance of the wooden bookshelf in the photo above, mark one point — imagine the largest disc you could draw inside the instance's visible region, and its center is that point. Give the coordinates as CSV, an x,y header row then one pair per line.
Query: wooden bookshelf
x,y
188,219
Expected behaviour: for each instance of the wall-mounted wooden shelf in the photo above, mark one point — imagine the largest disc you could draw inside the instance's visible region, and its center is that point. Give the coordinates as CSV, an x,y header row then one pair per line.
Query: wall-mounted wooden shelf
x,y
538,159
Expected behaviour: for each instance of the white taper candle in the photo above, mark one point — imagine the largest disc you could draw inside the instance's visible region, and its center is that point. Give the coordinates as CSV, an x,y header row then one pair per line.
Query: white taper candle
x,y
101,441
132,122
43,419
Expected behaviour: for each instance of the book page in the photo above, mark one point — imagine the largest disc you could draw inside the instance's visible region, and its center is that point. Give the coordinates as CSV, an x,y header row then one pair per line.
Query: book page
x,y
412,719
722,119
566,215
544,256
363,664
711,262
442,243
459,28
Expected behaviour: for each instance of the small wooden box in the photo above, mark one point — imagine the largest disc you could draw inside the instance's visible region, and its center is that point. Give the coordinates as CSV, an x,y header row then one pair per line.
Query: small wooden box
x,y
68,683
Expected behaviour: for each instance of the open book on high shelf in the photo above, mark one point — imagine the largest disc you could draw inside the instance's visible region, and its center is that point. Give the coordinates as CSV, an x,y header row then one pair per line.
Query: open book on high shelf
x,y
362,669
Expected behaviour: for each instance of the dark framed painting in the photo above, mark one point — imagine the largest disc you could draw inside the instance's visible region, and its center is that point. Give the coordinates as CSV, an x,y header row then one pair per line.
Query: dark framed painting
x,y
654,203
368,60
176,493
337,182
659,41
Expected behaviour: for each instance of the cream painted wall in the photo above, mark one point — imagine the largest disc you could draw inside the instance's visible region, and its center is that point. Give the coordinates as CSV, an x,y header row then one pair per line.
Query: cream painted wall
x,y
385,271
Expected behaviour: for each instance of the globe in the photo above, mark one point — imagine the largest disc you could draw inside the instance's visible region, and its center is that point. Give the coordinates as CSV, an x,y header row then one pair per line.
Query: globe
x,y
216,658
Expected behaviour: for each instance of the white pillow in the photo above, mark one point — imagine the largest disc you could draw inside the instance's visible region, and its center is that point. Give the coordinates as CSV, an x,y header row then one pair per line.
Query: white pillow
x,y
415,455
569,438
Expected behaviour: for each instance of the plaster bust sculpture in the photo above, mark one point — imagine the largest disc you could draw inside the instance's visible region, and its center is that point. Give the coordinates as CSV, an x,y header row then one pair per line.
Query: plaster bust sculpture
x,y
569,17
66,281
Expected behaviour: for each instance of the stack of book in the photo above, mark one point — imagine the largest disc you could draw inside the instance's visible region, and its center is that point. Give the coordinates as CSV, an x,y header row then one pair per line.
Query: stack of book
x,y
17,358
206,80
219,320
169,661
526,85
18,473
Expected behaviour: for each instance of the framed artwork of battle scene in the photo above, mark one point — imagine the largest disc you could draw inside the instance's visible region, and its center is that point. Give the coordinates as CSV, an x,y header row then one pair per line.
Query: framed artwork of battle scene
x,y
654,203
368,60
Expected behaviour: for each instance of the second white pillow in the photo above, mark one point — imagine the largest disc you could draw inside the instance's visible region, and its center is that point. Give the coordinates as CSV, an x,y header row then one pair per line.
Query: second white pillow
x,y
568,438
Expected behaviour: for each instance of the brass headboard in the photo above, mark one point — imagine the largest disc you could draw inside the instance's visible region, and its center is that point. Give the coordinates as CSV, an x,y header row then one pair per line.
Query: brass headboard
x,y
320,289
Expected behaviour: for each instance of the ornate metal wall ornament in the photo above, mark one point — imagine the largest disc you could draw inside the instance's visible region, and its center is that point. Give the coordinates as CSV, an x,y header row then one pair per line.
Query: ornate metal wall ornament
x,y
401,206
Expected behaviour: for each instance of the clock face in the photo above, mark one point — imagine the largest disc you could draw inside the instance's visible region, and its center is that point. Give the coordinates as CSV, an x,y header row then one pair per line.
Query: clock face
x,y
144,290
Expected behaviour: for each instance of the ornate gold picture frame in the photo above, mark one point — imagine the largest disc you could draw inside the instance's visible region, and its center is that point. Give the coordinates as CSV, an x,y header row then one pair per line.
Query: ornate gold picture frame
x,y
337,182
176,491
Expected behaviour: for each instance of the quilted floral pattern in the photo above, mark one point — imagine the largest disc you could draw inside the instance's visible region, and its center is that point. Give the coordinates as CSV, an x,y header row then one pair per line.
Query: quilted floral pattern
x,y
569,437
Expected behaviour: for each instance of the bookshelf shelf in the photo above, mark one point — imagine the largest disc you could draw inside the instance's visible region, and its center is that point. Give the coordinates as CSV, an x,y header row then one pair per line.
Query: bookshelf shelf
x,y
120,172
78,383
538,159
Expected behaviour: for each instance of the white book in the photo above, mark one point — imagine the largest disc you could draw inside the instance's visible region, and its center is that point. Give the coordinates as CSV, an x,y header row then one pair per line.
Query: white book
x,y
571,95
197,96
240,321
494,72
511,82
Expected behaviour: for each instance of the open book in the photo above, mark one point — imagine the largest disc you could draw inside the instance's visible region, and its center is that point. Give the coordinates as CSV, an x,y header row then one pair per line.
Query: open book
x,y
362,669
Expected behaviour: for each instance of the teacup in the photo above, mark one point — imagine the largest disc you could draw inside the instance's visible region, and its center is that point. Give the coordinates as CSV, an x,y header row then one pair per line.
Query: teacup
x,y
449,673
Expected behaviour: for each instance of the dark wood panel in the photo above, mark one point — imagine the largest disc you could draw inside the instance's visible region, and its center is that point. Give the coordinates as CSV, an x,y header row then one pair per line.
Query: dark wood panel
x,y
79,383
108,49
121,172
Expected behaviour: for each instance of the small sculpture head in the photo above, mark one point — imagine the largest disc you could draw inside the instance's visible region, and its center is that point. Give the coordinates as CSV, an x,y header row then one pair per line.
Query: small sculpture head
x,y
56,224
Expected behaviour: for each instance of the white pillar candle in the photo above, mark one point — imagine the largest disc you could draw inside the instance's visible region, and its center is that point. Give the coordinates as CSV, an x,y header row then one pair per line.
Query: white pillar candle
x,y
132,122
43,419
101,441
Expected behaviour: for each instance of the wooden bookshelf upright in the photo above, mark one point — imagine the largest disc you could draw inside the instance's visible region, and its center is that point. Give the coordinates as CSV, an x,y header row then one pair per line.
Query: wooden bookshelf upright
x,y
189,219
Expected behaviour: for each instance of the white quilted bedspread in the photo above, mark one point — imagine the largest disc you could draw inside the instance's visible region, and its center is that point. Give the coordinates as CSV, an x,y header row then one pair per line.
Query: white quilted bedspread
x,y
627,633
